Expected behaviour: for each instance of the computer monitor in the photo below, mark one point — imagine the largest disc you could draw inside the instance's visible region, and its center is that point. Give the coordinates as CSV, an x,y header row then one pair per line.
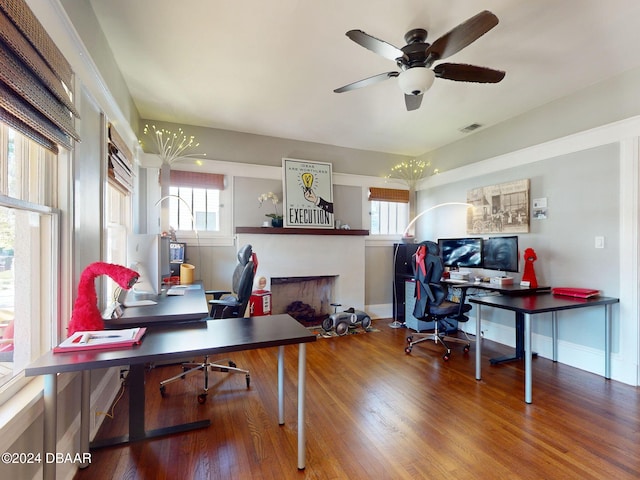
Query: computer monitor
x,y
148,254
501,253
461,252
177,256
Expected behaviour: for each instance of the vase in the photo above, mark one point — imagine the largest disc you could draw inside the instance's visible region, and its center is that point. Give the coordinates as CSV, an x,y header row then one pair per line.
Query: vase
x,y
276,222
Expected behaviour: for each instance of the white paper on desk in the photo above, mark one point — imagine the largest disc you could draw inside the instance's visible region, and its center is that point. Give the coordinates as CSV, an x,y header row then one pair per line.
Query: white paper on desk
x,y
176,291
139,303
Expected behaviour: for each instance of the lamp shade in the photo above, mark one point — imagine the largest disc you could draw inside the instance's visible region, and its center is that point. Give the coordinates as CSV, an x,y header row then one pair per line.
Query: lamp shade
x,y
416,80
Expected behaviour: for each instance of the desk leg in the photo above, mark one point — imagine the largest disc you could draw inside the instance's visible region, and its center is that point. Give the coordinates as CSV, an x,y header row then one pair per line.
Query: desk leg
x,y
527,358
554,334
50,423
519,350
478,344
85,403
136,403
281,385
607,341
302,378
137,429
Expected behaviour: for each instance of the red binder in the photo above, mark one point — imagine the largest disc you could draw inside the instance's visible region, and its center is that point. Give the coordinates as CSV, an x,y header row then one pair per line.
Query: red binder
x,y
575,292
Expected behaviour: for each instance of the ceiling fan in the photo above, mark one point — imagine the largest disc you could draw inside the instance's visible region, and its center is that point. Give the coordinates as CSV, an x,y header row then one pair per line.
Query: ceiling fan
x,y
415,59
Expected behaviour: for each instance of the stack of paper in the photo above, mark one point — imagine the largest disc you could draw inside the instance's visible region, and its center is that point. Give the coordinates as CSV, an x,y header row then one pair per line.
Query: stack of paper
x,y
104,339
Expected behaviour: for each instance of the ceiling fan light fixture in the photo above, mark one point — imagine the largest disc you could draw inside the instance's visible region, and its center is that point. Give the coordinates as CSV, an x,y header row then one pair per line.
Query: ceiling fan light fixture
x,y
416,80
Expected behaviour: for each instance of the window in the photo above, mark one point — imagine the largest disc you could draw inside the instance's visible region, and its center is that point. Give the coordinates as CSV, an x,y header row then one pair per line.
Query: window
x,y
195,202
118,215
29,253
388,218
117,205
389,210
194,209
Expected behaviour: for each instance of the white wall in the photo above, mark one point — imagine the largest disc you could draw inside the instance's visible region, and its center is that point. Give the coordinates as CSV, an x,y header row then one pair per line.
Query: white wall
x,y
590,182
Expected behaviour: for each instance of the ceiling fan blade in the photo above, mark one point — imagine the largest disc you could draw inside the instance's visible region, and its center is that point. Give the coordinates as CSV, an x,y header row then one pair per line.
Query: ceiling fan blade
x,y
412,101
461,36
375,44
381,77
461,72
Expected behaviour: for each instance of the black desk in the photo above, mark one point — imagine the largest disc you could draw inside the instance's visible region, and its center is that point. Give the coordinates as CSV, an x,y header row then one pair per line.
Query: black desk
x,y
529,305
173,343
192,306
509,290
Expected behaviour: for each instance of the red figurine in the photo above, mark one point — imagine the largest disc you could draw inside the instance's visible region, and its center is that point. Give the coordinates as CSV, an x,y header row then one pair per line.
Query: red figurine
x,y
529,273
85,315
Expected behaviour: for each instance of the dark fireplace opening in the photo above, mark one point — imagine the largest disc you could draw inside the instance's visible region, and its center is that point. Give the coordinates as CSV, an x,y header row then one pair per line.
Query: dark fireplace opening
x,y
307,299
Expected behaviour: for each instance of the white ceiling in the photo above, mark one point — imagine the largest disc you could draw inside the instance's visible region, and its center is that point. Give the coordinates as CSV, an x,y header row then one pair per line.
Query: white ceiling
x,y
270,67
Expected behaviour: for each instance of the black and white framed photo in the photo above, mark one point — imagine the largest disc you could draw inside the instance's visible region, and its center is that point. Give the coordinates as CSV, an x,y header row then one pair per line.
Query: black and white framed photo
x,y
502,208
308,194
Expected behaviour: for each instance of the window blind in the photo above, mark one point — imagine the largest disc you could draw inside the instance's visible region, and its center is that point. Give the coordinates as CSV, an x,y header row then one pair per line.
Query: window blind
x,y
36,80
388,195
120,162
181,178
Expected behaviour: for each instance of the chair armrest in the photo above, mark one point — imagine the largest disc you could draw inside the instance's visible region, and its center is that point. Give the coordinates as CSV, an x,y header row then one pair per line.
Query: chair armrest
x,y
217,293
225,302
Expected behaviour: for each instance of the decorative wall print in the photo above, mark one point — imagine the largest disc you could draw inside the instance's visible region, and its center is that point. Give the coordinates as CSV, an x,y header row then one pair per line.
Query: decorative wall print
x,y
308,192
502,208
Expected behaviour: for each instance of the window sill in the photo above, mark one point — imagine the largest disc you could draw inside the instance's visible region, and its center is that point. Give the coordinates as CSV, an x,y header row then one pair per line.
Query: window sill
x,y
382,240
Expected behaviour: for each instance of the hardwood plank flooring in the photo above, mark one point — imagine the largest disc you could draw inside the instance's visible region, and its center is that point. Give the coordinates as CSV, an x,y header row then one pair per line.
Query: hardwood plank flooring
x,y
374,412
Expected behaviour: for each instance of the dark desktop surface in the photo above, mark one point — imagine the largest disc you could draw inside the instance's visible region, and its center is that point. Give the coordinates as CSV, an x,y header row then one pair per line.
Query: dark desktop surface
x,y
168,309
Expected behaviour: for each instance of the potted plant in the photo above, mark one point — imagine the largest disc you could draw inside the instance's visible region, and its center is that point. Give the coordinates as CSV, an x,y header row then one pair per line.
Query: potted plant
x,y
276,218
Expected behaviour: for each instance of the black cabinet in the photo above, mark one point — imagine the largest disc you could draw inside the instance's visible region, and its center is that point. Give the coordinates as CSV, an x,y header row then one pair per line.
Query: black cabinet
x,y
402,271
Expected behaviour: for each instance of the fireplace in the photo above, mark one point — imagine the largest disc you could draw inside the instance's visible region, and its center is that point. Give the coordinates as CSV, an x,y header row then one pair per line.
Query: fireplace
x,y
334,256
307,299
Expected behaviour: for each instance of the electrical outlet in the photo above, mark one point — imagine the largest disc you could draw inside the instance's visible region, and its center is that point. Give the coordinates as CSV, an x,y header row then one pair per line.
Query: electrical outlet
x,y
599,243
123,373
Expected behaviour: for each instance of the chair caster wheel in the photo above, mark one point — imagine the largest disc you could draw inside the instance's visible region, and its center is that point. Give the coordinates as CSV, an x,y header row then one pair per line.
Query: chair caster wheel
x,y
248,380
466,348
202,398
446,356
409,339
232,364
163,392
407,350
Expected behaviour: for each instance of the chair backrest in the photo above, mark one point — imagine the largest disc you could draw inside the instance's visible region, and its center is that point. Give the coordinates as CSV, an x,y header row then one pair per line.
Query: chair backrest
x,y
245,254
427,271
245,287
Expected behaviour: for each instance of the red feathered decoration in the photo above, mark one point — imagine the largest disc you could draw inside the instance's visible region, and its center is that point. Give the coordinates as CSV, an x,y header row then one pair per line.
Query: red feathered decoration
x,y
86,315
529,273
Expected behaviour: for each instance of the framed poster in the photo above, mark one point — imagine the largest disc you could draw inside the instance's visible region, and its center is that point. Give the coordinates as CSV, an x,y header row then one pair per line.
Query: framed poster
x,y
502,208
308,194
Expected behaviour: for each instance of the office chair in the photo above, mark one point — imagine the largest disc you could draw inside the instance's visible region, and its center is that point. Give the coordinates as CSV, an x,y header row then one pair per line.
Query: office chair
x,y
245,254
431,303
233,305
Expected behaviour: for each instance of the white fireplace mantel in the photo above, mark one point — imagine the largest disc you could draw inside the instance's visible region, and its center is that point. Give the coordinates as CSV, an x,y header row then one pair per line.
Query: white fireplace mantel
x,y
317,253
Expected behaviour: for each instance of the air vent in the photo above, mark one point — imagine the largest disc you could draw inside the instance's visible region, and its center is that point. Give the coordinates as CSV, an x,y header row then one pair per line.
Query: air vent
x,y
470,128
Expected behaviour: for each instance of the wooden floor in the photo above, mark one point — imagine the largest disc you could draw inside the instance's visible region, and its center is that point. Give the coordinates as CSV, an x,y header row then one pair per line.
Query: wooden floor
x,y
374,412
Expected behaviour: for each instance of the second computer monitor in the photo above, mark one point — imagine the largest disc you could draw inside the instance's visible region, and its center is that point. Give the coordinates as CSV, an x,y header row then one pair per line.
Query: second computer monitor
x,y
501,253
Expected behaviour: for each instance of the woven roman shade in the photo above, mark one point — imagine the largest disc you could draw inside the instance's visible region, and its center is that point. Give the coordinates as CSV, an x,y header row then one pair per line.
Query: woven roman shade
x,y
388,195
35,79
120,162
213,181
